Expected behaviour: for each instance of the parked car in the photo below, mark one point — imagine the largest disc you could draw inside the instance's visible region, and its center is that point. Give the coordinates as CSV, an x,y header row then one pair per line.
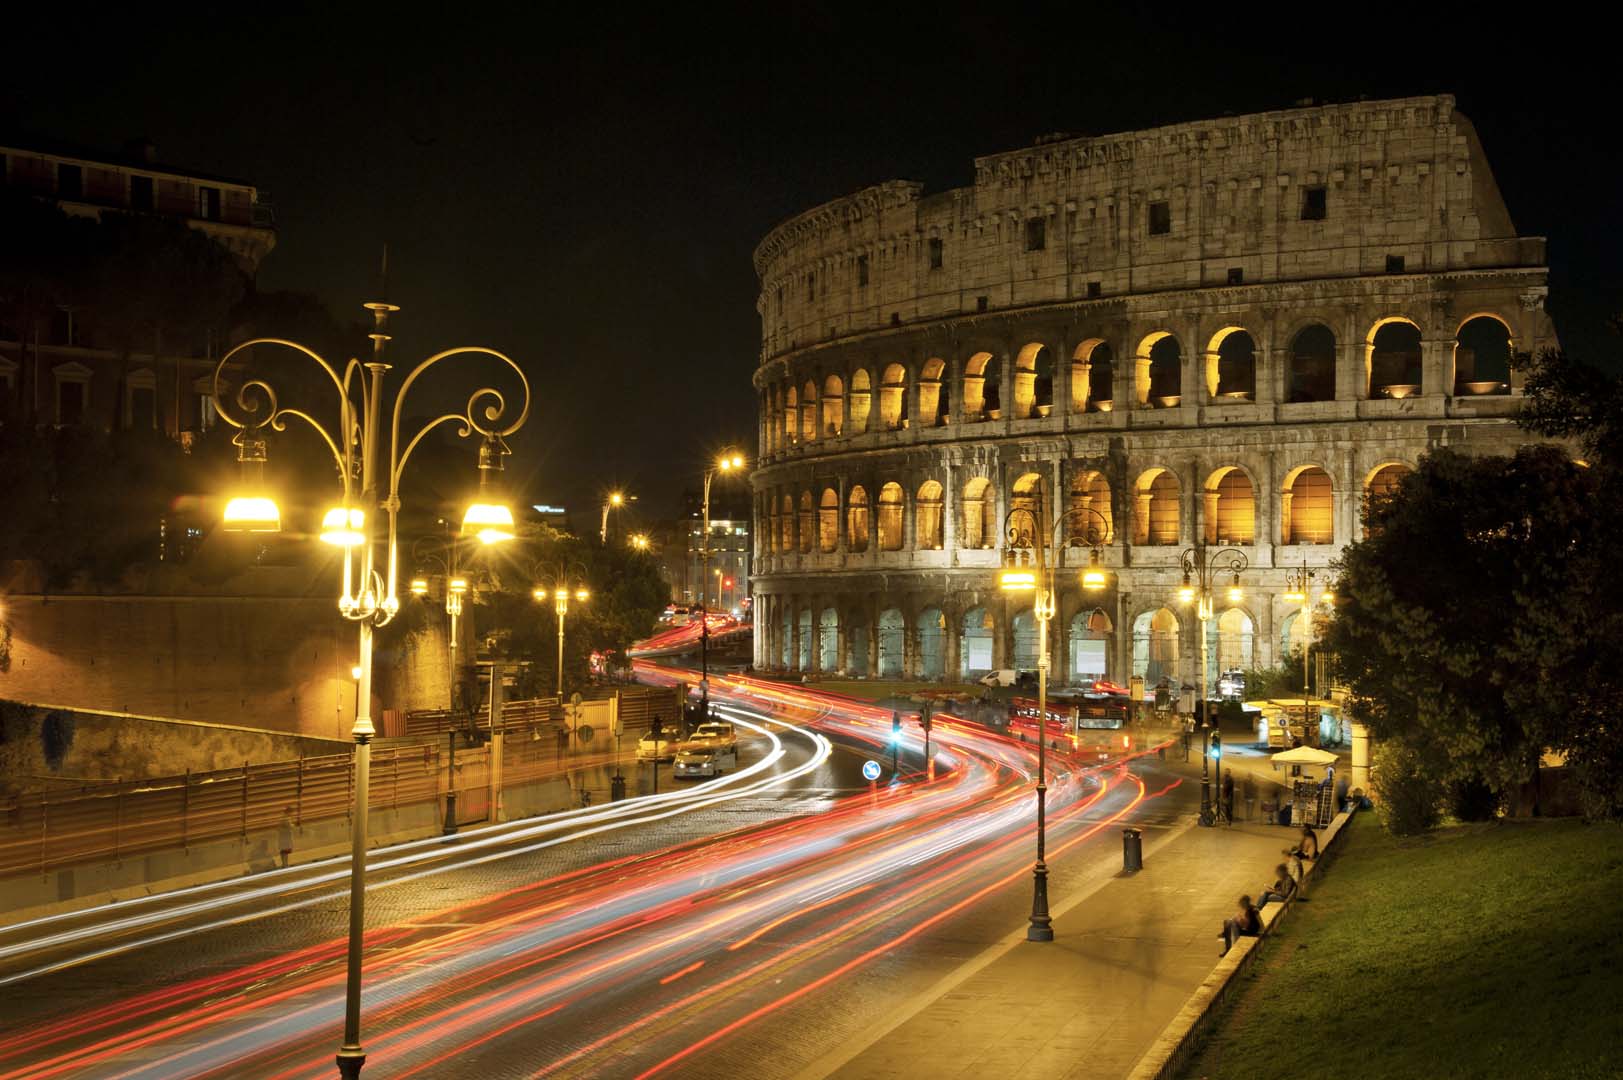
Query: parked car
x,y
704,759
1004,677
656,748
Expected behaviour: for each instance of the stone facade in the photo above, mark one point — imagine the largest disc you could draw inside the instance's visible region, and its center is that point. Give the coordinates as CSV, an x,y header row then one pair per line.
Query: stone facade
x,y
1222,332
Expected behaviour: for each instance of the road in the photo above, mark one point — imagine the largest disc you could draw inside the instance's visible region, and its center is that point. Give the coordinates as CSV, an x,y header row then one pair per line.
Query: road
x,y
734,929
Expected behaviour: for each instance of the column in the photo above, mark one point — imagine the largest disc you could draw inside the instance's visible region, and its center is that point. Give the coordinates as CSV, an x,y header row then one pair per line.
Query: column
x,y
1352,359
872,607
949,514
794,637
1359,780
999,610
910,645
816,651
951,643
841,642
1059,639
1436,366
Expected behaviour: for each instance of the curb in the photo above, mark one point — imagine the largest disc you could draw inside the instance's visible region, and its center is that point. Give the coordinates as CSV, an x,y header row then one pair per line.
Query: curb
x,y
1183,1036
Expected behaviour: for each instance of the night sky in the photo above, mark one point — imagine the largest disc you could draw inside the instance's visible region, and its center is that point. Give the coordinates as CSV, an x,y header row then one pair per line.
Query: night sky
x,y
587,198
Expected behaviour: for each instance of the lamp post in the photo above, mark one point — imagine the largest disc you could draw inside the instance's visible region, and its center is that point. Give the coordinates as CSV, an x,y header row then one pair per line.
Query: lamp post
x,y
370,477
1027,528
560,594
443,553
615,500
1299,590
728,463
639,541
1199,571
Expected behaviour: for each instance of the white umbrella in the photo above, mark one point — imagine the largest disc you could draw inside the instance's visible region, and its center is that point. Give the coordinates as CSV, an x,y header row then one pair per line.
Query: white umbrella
x,y
1304,755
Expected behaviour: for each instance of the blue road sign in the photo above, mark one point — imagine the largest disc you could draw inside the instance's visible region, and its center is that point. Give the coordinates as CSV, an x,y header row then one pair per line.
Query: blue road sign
x,y
870,770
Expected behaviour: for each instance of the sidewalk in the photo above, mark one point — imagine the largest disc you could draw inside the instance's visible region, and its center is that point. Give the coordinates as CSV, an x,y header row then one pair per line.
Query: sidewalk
x,y
1125,959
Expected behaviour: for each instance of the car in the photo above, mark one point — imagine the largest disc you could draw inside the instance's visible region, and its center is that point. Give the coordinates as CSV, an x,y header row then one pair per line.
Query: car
x,y
716,733
703,759
1005,677
653,747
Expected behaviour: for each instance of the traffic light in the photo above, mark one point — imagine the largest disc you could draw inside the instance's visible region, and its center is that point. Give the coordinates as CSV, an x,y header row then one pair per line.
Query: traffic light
x,y
895,727
1217,745
658,728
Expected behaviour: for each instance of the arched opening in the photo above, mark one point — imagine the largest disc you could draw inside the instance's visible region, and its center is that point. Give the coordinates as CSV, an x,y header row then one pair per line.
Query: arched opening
x,y
1309,507
933,403
1295,634
1090,491
861,401
1160,371
788,519
975,644
856,519
786,628
893,398
1155,646
928,516
1155,518
1382,484
932,626
856,644
1232,647
828,522
1090,638
1025,641
1394,359
1231,507
1101,378
807,525
808,412
805,653
1312,375
977,532
980,388
1231,366
833,406
1482,357
773,525
1033,381
890,517
892,630
791,417
1025,511
828,640
1084,389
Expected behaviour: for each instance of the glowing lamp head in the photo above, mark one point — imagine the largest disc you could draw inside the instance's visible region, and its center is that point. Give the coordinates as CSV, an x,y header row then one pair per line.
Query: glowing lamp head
x,y
253,514
341,527
1328,597
583,594
1295,596
1187,592
457,585
616,499
355,672
1017,579
538,595
640,542
1093,578
419,586
1236,594
492,523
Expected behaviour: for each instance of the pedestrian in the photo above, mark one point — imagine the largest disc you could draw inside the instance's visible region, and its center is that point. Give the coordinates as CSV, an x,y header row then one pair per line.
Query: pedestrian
x,y
284,834
1228,797
1245,923
1249,790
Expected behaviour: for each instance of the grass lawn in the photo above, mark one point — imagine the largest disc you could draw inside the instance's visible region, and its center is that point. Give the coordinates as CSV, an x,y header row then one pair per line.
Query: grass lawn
x,y
1480,950
874,689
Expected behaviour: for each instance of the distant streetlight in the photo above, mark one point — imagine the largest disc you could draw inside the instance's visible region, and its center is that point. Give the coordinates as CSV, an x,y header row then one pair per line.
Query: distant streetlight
x,y
614,501
639,541
1199,575
370,483
560,595
729,462
1299,590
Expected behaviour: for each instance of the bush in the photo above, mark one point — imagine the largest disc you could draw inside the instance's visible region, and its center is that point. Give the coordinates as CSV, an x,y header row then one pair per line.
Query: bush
x,y
1472,799
1409,802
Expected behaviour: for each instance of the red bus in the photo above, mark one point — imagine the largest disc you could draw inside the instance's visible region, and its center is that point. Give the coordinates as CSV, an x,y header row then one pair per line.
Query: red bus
x,y
1091,724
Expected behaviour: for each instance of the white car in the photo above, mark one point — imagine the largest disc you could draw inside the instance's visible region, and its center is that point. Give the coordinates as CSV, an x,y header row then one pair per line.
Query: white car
x,y
652,748
717,733
703,759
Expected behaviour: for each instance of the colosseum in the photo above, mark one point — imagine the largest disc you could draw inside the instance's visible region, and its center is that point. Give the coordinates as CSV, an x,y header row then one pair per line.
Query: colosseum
x,y
1222,333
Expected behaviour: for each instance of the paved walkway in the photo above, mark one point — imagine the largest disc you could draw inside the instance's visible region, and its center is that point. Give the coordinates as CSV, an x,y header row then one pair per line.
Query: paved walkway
x,y
1127,954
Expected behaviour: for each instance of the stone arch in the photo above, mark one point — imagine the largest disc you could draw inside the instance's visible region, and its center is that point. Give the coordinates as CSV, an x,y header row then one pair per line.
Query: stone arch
x,y
932,635
1482,349
1158,370
1307,506
856,519
928,517
1231,365
893,398
807,523
788,517
1155,508
1089,490
1033,381
1381,484
1092,373
1091,640
808,412
833,406
1155,645
1231,507
892,637
1231,643
856,641
1024,505
975,653
828,521
791,417
978,532
1295,634
1024,633
1311,375
861,400
980,394
934,404
1392,358
803,656
891,506
828,640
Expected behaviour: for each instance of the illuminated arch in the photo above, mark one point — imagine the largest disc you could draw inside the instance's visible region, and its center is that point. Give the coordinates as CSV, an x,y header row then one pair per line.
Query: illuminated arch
x,y
808,412
928,517
1092,371
1089,490
1483,347
1231,507
856,519
978,532
1307,506
1158,370
1155,508
1231,365
861,400
828,522
893,398
890,517
1033,380
833,406
1392,357
933,396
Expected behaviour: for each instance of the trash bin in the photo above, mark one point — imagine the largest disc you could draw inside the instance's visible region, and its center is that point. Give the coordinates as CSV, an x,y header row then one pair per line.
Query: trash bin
x,y
1132,850
617,788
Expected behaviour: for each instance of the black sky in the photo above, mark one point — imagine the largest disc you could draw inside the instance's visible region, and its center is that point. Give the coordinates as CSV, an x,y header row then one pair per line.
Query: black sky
x,y
585,194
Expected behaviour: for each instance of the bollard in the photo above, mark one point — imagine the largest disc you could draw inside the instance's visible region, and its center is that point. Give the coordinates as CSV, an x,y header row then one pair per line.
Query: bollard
x,y
1132,851
617,788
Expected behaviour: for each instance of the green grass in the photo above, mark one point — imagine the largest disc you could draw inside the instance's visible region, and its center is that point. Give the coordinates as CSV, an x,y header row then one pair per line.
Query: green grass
x,y
874,689
1479,950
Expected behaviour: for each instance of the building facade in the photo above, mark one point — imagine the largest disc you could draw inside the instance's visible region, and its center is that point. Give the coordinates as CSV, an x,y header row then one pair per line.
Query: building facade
x,y
730,551
1224,333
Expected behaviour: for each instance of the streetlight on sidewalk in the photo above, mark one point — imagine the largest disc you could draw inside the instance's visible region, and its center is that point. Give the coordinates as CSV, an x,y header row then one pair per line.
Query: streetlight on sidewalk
x,y
443,553
370,483
1299,590
1199,573
1029,528
729,462
561,593
613,501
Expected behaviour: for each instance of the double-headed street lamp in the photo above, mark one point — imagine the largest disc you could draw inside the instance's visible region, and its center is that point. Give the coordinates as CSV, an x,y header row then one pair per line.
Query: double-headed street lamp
x,y
614,501
370,483
1299,590
1199,574
1026,528
730,462
560,596
442,553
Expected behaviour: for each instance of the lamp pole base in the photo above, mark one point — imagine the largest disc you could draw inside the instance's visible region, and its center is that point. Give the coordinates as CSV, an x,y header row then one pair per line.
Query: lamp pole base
x,y
1042,927
350,1060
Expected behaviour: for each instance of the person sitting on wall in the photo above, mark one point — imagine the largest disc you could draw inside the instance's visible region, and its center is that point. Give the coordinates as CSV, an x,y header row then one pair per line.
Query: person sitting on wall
x,y
1283,888
1245,923
1308,846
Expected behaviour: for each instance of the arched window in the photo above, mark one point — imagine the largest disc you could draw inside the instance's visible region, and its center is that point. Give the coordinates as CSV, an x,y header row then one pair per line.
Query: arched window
x,y
1383,483
1091,377
977,530
1235,639
1155,521
933,404
1090,638
1482,357
932,630
1309,507
828,521
788,519
828,640
1089,491
890,517
1312,375
1025,509
892,635
893,398
927,516
1033,381
833,406
774,541
1155,646
1231,366
808,412
856,523
1160,371
1231,508
1024,626
806,522
980,387
791,417
975,644
861,401
1394,359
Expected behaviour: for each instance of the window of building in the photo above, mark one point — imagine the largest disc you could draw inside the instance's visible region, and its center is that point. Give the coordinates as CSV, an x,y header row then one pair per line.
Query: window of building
x,y
980,304
141,400
1394,264
1160,218
1095,290
1236,275
62,327
1036,234
70,181
1313,205
208,203
72,393
935,253
862,271
141,193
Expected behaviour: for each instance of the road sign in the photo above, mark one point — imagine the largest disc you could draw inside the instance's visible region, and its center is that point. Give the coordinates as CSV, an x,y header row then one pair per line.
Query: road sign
x,y
870,770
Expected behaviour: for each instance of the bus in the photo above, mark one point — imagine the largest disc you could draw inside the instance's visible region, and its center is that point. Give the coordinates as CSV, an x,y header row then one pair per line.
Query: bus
x,y
1092,723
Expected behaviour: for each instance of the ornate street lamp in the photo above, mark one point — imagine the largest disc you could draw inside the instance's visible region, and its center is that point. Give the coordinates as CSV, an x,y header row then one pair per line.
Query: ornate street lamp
x,y
729,462
1299,590
370,482
1030,529
1199,575
560,595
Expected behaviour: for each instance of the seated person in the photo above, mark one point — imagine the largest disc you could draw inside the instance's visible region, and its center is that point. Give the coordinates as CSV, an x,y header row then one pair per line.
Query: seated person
x,y
1308,845
1284,886
1245,923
